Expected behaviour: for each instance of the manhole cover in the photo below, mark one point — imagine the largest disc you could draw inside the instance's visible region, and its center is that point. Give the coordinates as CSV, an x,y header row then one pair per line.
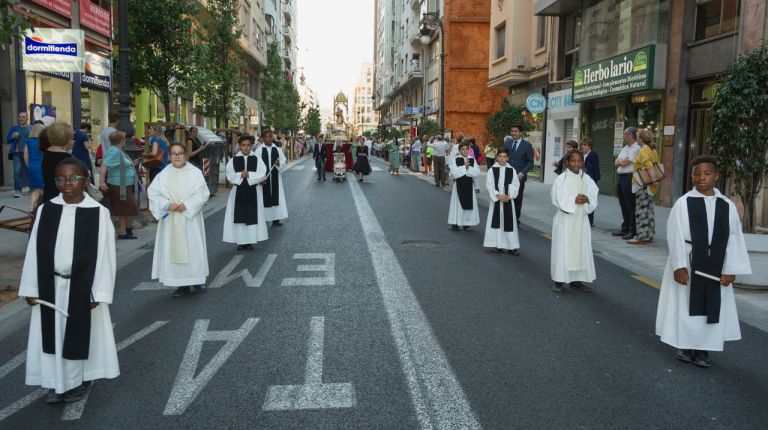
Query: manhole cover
x,y
422,244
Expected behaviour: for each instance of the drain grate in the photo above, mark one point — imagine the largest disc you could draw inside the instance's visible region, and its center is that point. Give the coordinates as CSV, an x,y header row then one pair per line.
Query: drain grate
x,y
422,244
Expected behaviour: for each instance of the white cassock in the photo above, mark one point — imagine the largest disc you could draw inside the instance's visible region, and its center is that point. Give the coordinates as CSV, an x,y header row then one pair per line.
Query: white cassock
x,y
241,233
498,237
673,323
280,211
456,214
52,370
572,258
181,257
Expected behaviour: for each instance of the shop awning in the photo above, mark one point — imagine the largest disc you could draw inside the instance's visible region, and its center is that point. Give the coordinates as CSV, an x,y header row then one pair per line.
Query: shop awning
x,y
556,7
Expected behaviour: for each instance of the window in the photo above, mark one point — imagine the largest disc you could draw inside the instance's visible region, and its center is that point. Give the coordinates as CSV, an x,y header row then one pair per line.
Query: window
x,y
568,46
541,32
715,17
501,36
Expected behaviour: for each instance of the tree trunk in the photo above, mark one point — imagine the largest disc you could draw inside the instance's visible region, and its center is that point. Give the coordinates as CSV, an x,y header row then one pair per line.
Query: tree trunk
x,y
167,107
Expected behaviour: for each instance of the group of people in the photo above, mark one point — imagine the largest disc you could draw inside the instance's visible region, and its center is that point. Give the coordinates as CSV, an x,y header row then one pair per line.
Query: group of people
x,y
359,150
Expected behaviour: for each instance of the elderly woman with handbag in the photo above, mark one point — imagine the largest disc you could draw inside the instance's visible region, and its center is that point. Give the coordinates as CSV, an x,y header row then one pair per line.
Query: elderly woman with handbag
x,y
117,168
645,185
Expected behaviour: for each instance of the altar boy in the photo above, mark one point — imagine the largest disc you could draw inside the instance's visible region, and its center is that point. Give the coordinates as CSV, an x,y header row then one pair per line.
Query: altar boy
x,y
463,208
574,194
502,185
273,195
68,279
697,309
244,220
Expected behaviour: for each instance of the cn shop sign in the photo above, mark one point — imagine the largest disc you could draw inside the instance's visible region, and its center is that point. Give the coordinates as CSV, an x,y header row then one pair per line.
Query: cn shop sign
x,y
96,18
62,7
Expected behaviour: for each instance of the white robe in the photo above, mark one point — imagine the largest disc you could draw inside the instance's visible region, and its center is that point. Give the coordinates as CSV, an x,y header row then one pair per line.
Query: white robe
x,y
52,370
195,192
562,238
243,234
281,211
457,215
673,323
497,237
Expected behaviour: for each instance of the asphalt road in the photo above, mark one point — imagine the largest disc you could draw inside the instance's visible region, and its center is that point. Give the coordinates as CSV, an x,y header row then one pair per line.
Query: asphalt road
x,y
365,311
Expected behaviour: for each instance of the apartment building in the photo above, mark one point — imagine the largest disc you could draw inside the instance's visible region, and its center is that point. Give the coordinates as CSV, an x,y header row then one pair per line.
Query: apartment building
x,y
364,117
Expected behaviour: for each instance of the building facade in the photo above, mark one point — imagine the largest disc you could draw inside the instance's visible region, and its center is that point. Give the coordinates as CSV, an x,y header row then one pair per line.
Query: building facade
x,y
364,117
281,21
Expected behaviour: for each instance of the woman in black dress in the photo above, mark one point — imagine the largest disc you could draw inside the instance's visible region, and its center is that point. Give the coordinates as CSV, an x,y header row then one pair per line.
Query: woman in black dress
x,y
362,166
55,143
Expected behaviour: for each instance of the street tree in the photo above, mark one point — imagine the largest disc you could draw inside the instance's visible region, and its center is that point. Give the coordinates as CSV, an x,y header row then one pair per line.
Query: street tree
x,y
499,123
312,123
280,98
216,79
429,128
162,51
740,128
9,23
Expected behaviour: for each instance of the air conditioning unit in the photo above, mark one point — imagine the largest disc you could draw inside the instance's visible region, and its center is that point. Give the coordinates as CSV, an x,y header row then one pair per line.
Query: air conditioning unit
x,y
520,61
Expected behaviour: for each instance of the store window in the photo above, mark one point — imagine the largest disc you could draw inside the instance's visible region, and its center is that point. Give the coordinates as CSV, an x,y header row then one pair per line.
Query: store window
x,y
53,95
541,32
716,17
501,35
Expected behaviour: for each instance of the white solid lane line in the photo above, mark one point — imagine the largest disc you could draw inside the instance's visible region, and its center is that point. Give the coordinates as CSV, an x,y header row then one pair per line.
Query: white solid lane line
x,y
437,396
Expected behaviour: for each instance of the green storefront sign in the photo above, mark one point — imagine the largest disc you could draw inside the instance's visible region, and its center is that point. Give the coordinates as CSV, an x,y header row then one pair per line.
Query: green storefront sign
x,y
625,73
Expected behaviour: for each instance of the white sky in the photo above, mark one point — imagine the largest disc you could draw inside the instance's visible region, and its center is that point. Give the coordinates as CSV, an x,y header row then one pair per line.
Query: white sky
x,y
335,37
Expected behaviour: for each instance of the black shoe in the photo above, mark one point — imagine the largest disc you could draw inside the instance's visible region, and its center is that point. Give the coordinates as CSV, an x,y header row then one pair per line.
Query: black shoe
x,y
126,236
628,236
578,286
684,355
437,185
701,358
465,228
248,247
180,292
324,179
240,247
277,223
53,397
619,233
498,250
558,287
515,252
76,393
319,179
200,289
455,227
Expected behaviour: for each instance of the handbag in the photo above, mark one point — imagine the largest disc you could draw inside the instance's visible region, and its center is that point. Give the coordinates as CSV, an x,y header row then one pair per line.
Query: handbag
x,y
649,175
94,192
151,161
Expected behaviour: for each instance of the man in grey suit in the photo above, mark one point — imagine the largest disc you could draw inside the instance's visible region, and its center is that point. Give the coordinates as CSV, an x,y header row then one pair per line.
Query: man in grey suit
x,y
521,158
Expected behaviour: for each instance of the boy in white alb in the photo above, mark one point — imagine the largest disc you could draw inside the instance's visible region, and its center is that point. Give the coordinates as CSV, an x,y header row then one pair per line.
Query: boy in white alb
x,y
502,185
244,221
462,211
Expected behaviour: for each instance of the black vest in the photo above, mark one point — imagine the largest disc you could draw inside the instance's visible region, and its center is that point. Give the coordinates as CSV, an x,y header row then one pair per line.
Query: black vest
x,y
706,257
246,204
271,189
465,187
509,222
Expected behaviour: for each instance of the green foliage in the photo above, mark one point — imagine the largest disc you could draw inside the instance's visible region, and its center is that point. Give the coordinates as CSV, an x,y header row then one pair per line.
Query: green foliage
x,y
312,123
9,22
498,124
216,79
740,127
280,98
369,133
429,128
162,53
392,132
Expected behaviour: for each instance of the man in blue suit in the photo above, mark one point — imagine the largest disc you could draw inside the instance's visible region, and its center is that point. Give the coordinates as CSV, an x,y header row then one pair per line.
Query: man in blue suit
x,y
521,158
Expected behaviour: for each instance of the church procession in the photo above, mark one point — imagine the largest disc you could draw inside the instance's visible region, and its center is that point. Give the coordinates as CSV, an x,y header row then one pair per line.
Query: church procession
x,y
563,242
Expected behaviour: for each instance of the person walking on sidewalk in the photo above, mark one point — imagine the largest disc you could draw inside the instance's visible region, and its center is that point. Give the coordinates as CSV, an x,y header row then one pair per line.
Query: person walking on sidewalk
x,y
428,152
439,147
574,194
591,167
624,167
33,158
645,224
17,139
416,154
697,309
521,159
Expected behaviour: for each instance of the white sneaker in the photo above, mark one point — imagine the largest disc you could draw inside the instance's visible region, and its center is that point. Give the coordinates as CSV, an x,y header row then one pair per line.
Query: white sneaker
x,y
16,194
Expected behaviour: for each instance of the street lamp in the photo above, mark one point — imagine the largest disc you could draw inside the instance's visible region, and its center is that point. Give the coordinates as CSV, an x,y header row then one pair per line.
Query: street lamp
x,y
426,38
125,79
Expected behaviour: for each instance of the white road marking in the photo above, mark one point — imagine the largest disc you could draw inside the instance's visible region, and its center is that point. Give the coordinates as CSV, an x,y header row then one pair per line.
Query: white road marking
x,y
313,394
299,167
22,403
151,286
437,396
328,268
225,276
74,411
376,169
187,386
258,280
13,364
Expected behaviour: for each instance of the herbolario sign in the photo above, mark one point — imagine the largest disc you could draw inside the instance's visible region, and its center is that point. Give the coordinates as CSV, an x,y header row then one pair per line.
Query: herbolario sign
x,y
625,73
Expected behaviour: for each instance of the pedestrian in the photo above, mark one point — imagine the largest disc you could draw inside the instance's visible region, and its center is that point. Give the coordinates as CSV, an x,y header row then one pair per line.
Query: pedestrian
x,y
120,185
112,119
416,155
82,147
440,147
463,211
474,150
195,148
645,222
490,154
559,165
591,167
176,200
624,167
69,271
59,140
273,195
393,149
319,154
502,185
697,310
362,165
428,153
159,143
17,139
244,220
521,159
33,159
574,194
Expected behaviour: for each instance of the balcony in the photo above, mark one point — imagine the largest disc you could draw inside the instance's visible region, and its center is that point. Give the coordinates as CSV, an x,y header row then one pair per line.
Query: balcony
x,y
287,33
415,4
413,74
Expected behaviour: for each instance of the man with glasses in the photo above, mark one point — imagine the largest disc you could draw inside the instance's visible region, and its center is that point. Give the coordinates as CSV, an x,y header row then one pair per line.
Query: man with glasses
x,y
17,139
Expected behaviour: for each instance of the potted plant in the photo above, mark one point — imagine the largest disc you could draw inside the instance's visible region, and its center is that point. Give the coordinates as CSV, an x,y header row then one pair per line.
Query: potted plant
x,y
740,144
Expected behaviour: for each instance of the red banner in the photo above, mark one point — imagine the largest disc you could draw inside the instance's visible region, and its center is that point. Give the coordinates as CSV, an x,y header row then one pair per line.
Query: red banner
x,y
62,7
96,18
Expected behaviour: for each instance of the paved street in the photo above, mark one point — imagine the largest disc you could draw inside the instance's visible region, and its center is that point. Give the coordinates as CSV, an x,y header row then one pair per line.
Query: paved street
x,y
365,311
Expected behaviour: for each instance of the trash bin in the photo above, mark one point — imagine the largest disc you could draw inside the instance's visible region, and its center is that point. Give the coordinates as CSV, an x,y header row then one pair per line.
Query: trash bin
x,y
211,157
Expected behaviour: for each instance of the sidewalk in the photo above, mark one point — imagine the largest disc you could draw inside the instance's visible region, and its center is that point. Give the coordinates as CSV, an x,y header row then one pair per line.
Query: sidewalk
x,y
646,261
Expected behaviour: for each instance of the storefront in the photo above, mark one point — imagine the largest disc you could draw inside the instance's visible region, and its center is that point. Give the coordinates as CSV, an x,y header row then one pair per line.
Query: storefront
x,y
563,122
519,95
699,122
616,93
94,92
49,96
